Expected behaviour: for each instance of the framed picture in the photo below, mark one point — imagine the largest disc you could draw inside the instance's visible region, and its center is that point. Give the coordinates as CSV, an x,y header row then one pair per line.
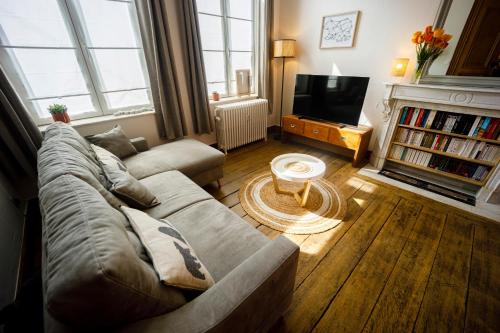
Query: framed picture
x,y
339,30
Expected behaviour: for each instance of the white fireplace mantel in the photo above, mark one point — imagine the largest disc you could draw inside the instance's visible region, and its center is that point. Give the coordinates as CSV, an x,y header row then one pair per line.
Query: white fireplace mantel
x,y
469,100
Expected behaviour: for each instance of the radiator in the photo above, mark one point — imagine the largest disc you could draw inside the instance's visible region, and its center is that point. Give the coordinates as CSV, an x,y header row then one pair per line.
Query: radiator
x,y
240,123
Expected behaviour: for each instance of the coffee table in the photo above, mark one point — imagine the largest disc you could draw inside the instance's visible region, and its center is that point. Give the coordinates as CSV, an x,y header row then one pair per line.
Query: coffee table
x,y
297,168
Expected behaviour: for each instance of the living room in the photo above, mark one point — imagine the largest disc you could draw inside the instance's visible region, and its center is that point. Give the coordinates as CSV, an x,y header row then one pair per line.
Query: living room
x,y
250,165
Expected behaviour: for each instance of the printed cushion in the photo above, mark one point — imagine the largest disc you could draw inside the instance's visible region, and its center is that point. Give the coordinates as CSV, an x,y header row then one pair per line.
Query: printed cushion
x,y
173,258
114,141
122,183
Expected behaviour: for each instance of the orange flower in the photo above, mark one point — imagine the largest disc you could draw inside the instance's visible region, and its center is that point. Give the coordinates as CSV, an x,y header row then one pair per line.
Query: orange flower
x,y
428,29
446,37
438,33
416,34
428,37
417,37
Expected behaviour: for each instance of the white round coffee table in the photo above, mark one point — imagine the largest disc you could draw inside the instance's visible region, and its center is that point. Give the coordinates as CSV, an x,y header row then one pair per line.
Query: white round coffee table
x,y
297,168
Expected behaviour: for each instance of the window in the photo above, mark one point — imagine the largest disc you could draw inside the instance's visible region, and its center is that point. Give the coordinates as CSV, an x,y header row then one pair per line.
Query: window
x,y
86,54
227,29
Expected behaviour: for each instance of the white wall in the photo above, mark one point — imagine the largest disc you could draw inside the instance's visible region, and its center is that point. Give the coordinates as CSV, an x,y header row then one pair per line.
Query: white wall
x,y
384,31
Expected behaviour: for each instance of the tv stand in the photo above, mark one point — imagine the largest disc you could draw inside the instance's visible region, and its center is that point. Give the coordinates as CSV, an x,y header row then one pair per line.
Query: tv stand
x,y
355,138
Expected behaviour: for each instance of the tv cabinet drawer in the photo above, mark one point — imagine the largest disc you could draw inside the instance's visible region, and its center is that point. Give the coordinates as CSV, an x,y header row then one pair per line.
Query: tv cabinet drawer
x,y
343,138
316,131
293,125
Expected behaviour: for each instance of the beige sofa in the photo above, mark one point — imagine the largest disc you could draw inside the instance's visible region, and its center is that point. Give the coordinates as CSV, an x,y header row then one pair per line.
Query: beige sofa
x,y
96,274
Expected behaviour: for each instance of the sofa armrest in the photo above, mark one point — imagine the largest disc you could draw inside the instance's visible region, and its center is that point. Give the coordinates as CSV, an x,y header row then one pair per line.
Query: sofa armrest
x,y
250,298
140,144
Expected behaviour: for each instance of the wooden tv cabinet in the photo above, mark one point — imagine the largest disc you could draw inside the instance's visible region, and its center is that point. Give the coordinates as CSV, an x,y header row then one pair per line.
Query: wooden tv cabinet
x,y
354,138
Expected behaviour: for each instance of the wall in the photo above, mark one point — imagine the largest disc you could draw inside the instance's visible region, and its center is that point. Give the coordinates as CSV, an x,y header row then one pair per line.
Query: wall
x,y
384,31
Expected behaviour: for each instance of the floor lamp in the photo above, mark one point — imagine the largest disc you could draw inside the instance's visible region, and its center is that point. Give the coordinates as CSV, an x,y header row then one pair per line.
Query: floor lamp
x,y
283,48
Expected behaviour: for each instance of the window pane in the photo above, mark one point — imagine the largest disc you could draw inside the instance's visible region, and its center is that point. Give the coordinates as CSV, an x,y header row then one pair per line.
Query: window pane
x,y
108,23
51,72
32,23
123,99
214,66
241,8
241,35
240,60
76,105
209,6
219,87
211,32
119,69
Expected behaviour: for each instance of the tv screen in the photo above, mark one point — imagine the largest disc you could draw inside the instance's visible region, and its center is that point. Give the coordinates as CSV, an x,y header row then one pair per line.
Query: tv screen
x,y
337,99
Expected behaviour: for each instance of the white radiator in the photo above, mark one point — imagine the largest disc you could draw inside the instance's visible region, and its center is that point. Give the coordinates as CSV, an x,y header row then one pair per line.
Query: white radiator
x,y
240,123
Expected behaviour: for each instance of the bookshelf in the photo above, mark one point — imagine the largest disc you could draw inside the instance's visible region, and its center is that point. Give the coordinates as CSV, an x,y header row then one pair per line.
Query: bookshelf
x,y
458,146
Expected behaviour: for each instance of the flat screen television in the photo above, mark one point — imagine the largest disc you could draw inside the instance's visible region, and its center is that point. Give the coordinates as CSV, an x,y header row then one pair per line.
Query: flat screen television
x,y
337,99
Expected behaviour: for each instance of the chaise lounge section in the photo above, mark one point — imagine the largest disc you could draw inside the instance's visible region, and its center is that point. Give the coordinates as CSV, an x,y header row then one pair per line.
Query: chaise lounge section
x,y
96,274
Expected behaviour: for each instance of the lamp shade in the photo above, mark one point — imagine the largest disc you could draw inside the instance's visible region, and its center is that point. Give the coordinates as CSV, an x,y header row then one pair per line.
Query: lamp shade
x,y
399,66
284,48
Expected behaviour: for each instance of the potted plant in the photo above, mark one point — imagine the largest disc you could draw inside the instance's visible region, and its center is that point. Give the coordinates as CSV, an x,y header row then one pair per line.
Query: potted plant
x,y
59,112
429,45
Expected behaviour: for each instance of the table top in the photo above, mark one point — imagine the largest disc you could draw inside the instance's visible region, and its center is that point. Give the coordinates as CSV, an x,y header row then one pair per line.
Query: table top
x,y
298,167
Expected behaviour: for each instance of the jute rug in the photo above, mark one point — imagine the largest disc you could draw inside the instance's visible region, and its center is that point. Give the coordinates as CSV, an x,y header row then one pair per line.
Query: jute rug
x,y
324,210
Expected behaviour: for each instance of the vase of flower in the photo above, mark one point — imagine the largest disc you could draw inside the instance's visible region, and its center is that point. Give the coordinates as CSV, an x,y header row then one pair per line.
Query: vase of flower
x,y
429,45
59,112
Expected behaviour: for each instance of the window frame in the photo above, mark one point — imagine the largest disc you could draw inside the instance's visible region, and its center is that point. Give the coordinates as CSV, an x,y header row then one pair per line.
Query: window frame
x,y
73,19
226,39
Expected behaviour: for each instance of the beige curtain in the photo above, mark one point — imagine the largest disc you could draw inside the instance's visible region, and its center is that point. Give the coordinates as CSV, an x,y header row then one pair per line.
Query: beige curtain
x,y
264,54
155,33
19,143
195,68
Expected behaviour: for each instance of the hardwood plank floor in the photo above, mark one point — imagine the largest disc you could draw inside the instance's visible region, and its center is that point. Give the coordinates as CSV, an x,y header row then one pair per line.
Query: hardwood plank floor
x,y
398,262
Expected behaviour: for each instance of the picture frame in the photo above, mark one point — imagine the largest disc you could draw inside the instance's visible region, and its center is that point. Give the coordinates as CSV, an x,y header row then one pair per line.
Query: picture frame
x,y
339,30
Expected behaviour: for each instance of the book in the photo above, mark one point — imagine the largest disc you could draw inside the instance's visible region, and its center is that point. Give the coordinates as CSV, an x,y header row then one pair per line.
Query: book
x,y
474,125
483,127
430,119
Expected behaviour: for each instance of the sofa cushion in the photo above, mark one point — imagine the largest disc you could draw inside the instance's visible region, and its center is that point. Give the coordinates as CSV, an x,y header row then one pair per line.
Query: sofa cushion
x,y
121,183
173,258
59,157
175,192
189,156
114,141
221,238
93,276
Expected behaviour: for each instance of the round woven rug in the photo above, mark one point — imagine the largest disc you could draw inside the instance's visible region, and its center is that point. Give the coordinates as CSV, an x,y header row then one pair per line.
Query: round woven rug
x,y
324,210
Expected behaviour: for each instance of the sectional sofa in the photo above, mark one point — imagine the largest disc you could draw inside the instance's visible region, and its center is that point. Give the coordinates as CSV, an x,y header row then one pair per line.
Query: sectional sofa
x,y
96,273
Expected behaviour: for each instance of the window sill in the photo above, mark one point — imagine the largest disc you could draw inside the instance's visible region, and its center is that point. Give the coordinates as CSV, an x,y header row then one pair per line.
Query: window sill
x,y
100,119
232,99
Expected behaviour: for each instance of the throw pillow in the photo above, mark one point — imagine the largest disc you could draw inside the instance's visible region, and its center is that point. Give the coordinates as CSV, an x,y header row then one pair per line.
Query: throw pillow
x,y
173,258
122,183
114,141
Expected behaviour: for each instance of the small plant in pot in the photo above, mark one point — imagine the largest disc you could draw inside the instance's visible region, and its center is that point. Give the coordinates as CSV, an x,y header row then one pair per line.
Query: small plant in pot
x,y
59,112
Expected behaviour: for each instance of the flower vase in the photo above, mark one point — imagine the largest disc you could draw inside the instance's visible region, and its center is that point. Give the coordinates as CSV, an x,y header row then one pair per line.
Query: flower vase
x,y
422,67
66,118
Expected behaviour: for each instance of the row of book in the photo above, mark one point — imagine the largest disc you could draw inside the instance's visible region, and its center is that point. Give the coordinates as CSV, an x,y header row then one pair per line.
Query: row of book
x,y
464,124
468,148
442,163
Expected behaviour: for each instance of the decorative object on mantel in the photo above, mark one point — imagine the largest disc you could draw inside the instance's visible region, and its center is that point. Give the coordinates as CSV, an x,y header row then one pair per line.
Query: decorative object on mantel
x,y
429,45
339,30
215,96
59,112
399,66
283,48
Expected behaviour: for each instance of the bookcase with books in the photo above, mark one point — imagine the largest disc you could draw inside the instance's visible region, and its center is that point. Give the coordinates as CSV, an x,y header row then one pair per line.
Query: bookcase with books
x,y
462,147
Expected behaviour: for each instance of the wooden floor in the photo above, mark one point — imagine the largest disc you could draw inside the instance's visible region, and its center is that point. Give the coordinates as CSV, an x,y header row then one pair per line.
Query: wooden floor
x,y
397,263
